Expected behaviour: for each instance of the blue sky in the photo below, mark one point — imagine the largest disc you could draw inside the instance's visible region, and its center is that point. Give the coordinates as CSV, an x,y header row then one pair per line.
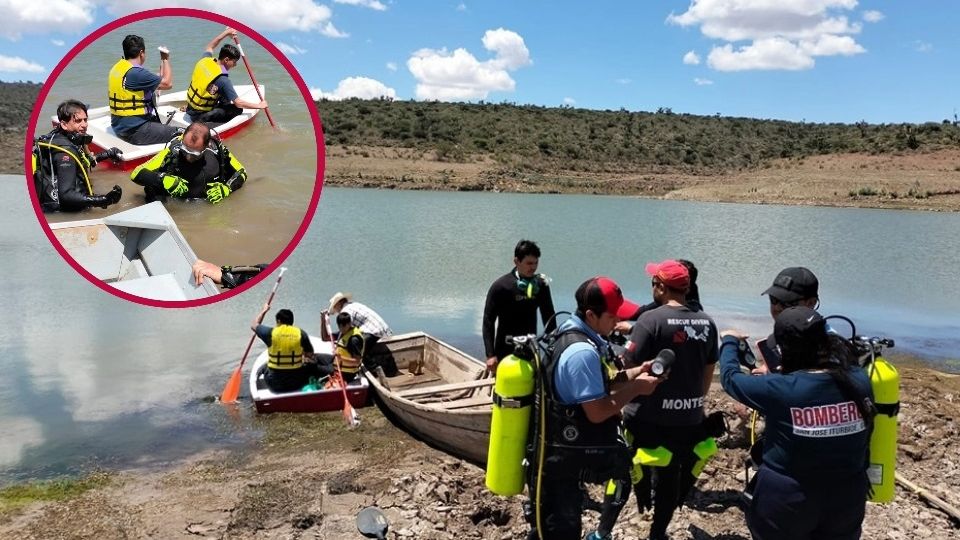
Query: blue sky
x,y
814,60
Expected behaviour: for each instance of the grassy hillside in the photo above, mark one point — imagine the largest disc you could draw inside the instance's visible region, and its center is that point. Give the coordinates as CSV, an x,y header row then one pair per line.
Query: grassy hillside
x,y
548,138
16,104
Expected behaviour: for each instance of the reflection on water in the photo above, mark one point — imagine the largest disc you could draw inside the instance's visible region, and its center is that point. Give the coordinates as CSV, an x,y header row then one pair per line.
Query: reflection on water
x,y
257,222
95,380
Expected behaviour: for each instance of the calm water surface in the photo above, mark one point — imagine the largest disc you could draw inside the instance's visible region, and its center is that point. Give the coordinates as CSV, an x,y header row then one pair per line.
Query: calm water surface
x,y
97,380
255,223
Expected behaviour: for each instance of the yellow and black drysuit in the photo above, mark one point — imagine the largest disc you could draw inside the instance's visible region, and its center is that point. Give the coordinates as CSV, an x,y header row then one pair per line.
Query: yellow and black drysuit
x,y
214,176
61,173
566,448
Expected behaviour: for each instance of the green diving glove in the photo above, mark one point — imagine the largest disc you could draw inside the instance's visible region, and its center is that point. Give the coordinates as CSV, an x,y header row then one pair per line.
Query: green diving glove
x,y
175,185
217,192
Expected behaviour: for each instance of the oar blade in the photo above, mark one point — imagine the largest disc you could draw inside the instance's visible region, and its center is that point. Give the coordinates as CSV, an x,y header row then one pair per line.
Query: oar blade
x,y
232,389
372,523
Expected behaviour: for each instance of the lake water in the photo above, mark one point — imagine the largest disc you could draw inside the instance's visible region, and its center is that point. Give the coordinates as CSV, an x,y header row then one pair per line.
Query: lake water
x,y
97,380
257,221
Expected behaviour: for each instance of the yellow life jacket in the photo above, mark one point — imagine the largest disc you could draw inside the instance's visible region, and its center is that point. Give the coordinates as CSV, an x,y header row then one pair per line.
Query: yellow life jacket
x,y
124,102
204,73
343,353
285,350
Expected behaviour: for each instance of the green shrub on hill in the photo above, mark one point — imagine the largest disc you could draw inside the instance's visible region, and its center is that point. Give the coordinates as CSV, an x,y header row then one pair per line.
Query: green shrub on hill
x,y
540,138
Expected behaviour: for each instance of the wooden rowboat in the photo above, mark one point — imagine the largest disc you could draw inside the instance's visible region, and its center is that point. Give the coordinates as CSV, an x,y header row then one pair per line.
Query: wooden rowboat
x,y
437,392
322,400
169,110
138,251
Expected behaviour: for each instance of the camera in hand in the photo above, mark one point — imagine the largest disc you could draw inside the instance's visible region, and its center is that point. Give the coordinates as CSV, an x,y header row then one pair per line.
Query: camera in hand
x,y
662,362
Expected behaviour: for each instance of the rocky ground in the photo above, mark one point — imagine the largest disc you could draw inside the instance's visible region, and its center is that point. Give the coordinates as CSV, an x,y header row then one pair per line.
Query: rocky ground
x,y
310,476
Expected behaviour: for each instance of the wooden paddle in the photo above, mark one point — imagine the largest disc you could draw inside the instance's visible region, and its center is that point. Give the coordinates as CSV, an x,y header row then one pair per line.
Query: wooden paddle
x,y
254,79
232,388
350,415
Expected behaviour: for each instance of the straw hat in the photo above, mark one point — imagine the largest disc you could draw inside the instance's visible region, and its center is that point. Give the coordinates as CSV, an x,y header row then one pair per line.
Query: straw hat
x,y
337,298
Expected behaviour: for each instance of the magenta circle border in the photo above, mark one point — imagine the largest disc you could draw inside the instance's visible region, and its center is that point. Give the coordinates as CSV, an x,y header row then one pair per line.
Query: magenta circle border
x,y
291,70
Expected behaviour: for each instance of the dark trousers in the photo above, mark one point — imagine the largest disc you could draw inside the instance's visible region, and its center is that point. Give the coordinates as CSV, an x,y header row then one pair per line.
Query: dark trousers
x,y
784,509
561,506
221,114
290,380
150,133
325,366
663,488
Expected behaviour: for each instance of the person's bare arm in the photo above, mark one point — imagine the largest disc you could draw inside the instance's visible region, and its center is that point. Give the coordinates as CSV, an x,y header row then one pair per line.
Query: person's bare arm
x,y
216,41
259,319
166,72
639,383
244,104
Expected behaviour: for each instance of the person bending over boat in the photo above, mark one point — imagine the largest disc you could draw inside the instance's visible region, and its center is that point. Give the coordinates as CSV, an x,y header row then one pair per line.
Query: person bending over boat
x,y
291,362
812,482
512,303
131,95
348,350
227,277
194,165
584,393
371,324
62,165
211,96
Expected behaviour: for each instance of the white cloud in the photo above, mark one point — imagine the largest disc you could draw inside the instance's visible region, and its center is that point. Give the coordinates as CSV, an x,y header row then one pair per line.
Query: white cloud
x,y
779,34
358,87
372,4
392,66
446,76
691,58
58,42
15,64
569,101
462,7
772,53
873,16
277,15
702,82
922,46
44,17
624,81
290,49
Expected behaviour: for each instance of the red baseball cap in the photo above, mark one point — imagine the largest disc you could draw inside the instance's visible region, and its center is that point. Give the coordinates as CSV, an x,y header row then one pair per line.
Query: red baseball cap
x,y
603,294
672,273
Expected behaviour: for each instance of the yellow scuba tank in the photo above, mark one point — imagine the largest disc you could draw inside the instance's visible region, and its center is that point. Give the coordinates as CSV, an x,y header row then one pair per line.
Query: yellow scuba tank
x,y
883,441
510,421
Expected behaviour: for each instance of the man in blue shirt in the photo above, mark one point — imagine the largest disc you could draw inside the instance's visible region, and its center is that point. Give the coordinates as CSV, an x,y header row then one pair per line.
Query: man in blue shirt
x,y
211,97
584,391
131,95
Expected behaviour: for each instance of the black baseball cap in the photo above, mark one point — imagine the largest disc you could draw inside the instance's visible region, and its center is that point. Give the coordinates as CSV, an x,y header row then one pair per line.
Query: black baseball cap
x,y
799,328
792,284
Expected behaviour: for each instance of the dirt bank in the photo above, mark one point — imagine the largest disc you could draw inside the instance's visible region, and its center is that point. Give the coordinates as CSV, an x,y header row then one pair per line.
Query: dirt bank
x,y
916,181
310,476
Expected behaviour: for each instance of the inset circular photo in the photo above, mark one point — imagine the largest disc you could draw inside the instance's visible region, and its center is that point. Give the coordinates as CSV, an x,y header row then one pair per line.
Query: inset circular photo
x,y
175,157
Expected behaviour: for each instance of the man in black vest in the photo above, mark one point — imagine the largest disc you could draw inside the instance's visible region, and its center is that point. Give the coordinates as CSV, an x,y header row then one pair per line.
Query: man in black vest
x,y
584,392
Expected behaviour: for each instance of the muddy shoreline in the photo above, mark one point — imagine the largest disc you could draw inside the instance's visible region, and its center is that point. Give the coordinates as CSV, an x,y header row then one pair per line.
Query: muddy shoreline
x,y
309,477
